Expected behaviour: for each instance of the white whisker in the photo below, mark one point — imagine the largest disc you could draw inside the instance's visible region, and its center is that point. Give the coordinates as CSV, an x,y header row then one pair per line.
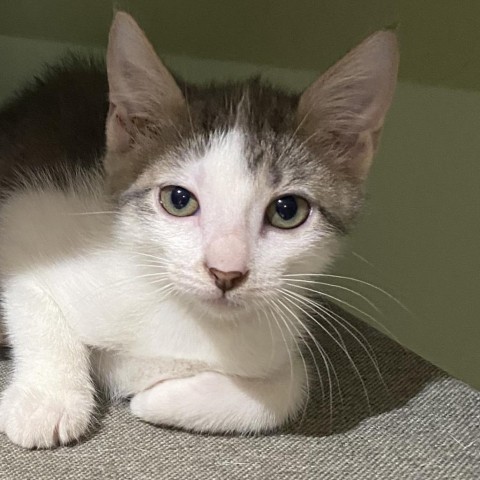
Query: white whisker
x,y
341,345
259,310
326,359
307,380
322,310
363,259
352,279
286,346
151,265
343,302
154,257
340,287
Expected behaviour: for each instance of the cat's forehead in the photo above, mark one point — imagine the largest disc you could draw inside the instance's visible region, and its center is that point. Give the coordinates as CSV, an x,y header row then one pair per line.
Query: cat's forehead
x,y
223,159
219,164
226,158
251,120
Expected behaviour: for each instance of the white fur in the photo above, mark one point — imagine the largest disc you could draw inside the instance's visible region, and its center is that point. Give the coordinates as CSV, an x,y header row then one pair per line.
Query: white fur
x,y
75,283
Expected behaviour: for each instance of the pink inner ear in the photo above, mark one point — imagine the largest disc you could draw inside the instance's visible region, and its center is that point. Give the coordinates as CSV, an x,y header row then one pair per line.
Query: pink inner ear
x,y
118,123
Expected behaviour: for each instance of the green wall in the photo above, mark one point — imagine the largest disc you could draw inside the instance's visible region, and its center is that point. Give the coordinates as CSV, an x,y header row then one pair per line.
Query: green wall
x,y
440,40
421,229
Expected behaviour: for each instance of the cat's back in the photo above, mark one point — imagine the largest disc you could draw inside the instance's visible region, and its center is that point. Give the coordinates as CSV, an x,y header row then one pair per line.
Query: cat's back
x,y
57,121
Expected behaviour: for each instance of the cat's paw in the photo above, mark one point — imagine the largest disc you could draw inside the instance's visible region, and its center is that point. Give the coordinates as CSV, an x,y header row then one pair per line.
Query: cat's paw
x,y
33,418
212,402
182,402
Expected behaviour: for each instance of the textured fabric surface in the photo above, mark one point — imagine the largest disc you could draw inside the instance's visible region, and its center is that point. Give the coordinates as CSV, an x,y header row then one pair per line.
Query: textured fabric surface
x,y
418,424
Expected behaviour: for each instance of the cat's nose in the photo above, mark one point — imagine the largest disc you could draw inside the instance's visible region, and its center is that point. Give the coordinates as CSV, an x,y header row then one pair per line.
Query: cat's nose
x,y
227,280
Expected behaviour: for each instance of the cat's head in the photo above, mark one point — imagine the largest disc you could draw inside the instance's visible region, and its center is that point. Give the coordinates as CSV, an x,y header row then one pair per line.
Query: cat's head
x,y
234,187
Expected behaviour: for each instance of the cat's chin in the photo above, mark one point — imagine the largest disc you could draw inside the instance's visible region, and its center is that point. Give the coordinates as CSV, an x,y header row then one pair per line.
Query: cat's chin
x,y
222,306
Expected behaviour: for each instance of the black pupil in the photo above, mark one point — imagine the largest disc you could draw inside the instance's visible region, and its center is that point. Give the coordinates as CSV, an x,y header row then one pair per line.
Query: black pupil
x,y
180,197
286,207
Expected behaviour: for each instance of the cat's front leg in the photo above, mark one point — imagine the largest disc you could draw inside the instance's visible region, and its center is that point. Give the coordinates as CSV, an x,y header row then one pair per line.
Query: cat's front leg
x,y
213,402
122,375
50,400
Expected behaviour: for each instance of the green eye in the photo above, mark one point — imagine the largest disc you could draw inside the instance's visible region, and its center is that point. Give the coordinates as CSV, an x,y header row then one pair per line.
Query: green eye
x,y
288,212
178,201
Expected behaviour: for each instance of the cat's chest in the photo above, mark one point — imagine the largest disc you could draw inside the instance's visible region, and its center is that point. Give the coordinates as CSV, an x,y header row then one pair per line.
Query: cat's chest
x,y
112,306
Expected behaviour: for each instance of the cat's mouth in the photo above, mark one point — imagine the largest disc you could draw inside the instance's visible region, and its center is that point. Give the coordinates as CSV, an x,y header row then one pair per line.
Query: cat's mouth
x,y
222,303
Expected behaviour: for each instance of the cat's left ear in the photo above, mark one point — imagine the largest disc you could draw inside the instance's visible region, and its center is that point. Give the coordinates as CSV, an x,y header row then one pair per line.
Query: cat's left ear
x,y
141,90
342,113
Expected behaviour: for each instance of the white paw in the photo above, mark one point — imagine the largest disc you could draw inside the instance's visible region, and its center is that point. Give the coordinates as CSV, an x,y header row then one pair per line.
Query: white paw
x,y
176,402
33,418
211,402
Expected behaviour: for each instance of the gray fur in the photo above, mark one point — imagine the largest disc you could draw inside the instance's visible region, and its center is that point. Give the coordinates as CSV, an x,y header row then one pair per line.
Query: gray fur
x,y
56,122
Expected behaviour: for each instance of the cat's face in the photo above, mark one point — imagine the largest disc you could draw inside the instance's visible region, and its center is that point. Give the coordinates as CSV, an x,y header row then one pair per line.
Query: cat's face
x,y
228,190
231,216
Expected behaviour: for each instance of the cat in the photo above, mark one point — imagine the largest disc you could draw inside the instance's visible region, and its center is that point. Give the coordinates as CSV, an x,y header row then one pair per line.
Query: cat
x,y
148,229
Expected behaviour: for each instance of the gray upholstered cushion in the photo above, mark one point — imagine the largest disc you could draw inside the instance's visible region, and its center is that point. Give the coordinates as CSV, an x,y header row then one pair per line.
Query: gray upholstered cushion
x,y
423,425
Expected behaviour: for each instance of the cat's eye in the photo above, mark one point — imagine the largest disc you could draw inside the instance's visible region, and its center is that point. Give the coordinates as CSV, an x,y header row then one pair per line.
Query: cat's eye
x,y
178,201
287,212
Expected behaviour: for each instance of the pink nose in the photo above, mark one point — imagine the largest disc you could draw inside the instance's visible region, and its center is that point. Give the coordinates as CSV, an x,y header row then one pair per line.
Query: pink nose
x,y
227,253
227,280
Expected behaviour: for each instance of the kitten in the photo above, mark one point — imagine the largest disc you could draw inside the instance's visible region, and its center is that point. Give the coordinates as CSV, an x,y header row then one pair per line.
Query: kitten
x,y
154,259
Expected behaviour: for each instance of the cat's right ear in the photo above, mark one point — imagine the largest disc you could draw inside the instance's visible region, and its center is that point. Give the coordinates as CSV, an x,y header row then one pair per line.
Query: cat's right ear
x,y
141,90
